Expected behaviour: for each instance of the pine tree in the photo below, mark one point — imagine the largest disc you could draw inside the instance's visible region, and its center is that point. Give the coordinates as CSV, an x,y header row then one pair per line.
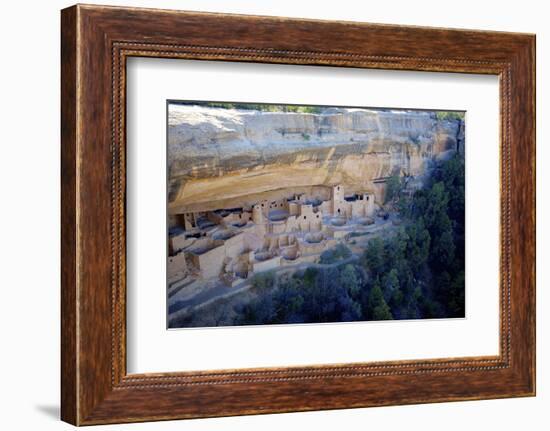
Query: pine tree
x,y
378,308
349,280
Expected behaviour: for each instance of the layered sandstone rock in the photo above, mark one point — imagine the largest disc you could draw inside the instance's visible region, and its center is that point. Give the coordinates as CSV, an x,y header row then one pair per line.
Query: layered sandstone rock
x,y
222,158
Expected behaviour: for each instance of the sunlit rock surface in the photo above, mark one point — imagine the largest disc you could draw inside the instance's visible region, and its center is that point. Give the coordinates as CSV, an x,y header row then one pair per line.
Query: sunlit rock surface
x,y
219,158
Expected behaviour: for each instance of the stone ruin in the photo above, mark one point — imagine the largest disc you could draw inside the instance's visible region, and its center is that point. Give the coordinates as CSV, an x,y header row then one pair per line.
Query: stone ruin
x,y
233,244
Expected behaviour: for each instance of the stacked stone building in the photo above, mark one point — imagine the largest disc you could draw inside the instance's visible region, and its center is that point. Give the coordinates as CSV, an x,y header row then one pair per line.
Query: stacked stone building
x,y
233,244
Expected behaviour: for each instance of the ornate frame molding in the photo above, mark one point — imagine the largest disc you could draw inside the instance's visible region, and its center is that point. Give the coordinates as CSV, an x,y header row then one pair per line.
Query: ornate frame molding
x,y
96,41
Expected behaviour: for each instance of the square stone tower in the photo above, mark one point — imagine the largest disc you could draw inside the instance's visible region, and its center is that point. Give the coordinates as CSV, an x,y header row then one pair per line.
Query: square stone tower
x,y
337,199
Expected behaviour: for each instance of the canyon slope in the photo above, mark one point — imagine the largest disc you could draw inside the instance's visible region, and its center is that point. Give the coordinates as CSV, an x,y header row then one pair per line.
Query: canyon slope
x,y
221,158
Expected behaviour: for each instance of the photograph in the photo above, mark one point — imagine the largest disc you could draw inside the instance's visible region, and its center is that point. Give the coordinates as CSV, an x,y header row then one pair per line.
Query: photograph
x,y
302,214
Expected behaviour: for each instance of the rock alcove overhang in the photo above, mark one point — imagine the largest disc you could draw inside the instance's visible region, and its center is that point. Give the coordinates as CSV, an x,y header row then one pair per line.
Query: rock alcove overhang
x,y
221,158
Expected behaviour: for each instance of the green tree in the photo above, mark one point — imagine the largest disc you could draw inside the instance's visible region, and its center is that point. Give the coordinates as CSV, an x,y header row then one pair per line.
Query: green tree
x,y
264,280
350,280
373,257
288,301
259,311
393,188
435,209
339,252
378,308
443,250
413,304
418,244
390,283
452,175
455,298
397,299
310,275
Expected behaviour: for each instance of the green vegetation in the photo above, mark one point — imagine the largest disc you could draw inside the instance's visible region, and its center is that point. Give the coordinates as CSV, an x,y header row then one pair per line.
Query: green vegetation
x,y
317,295
306,109
335,254
258,107
450,115
264,280
378,307
393,188
428,253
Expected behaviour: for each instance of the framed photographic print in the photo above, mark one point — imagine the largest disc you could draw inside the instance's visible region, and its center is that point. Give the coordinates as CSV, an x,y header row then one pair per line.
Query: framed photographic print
x,y
263,215
274,217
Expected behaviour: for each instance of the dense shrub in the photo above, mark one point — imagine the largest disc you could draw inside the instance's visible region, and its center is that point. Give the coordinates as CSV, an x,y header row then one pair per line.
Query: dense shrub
x,y
339,252
420,270
449,115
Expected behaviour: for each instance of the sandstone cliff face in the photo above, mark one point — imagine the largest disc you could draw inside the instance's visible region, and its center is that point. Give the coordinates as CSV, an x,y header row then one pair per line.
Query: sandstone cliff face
x,y
219,158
